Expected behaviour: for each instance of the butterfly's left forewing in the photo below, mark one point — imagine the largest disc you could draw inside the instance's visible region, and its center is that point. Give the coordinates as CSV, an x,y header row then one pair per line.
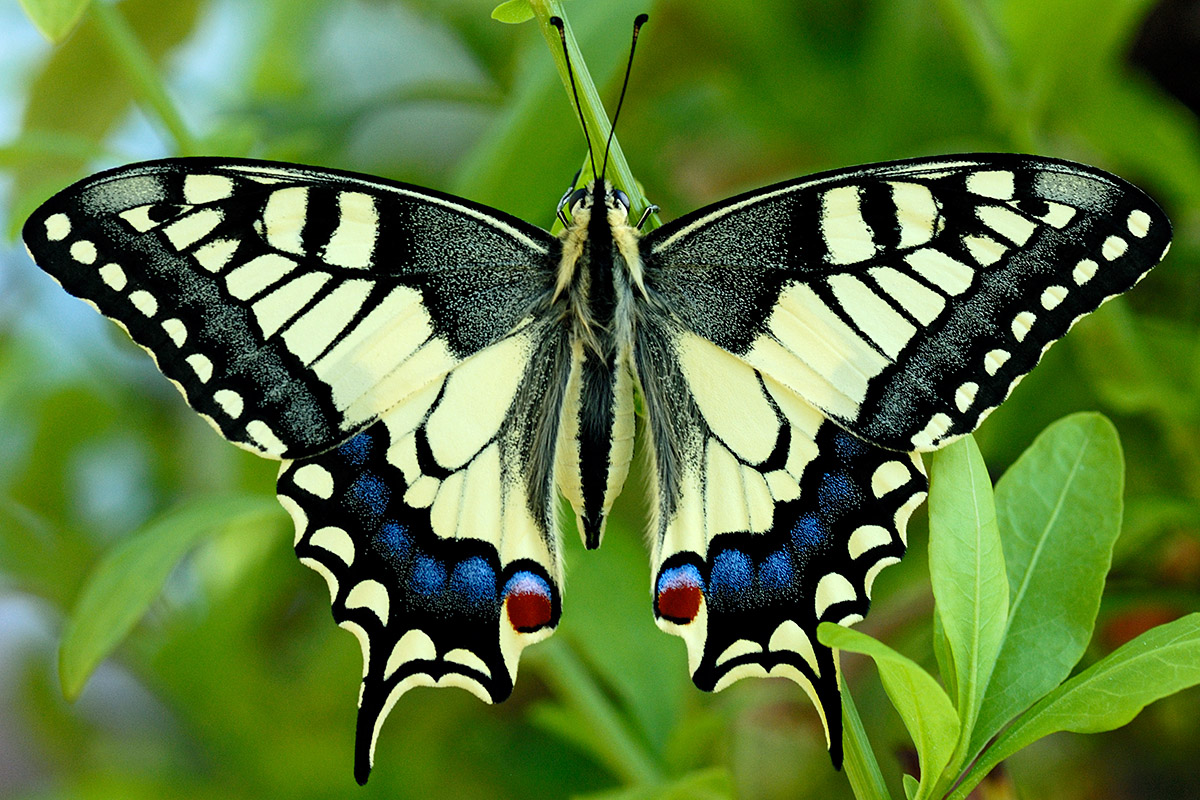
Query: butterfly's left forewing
x,y
291,305
907,299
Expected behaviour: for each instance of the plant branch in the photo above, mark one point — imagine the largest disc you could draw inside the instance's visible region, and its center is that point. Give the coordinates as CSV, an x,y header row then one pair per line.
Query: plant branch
x,y
141,70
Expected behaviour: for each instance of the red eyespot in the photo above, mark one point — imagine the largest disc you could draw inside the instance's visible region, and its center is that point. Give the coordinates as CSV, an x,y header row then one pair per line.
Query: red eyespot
x,y
680,590
679,603
527,602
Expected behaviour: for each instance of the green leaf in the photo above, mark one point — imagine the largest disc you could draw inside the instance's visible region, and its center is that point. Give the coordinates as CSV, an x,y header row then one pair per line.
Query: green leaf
x,y
944,659
924,707
862,770
911,786
55,18
714,783
1059,510
601,729
1105,696
539,124
513,12
127,579
82,92
966,568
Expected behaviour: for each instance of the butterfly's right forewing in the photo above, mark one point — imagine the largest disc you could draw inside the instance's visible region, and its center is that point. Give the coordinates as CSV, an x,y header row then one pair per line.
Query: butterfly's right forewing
x,y
291,305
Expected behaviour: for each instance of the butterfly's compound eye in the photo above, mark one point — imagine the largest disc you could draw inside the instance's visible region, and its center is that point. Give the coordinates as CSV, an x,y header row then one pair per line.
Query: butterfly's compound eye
x,y
622,198
678,594
576,198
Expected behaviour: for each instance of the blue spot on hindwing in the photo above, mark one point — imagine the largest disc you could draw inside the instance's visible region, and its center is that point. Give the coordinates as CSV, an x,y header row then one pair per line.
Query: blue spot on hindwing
x,y
776,572
837,493
393,541
475,580
681,577
369,494
526,582
357,450
809,530
428,575
732,573
848,447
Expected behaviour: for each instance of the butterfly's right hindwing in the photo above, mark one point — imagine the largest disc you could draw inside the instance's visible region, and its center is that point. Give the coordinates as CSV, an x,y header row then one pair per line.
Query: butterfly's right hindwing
x,y
291,305
435,528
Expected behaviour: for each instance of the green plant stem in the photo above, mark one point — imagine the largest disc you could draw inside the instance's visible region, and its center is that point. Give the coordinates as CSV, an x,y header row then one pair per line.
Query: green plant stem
x,y
985,56
622,752
141,70
862,770
595,118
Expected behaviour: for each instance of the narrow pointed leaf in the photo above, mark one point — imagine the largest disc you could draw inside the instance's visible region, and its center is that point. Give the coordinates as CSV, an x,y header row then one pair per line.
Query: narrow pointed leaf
x,y
55,18
513,12
1106,695
966,568
944,659
713,783
1059,510
129,578
862,770
923,705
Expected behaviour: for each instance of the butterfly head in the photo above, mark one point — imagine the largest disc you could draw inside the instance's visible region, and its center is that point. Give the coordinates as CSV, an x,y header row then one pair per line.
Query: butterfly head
x,y
598,193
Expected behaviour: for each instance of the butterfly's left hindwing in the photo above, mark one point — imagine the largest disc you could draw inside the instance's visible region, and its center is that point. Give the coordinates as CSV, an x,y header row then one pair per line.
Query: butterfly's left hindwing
x,y
907,299
435,528
772,519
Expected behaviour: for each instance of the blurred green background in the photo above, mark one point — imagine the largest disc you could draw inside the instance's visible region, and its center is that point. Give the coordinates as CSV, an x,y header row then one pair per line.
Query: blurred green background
x,y
237,684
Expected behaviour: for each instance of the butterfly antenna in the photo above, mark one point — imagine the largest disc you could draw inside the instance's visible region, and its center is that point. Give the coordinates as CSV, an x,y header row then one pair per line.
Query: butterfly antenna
x,y
638,22
562,35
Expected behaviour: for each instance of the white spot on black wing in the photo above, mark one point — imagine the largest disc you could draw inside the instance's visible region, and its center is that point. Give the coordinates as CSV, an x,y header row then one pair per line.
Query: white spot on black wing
x,y
144,302
1053,296
1138,223
1022,324
83,251
1114,247
198,189
1084,271
175,328
994,360
58,226
997,184
201,365
113,276
215,255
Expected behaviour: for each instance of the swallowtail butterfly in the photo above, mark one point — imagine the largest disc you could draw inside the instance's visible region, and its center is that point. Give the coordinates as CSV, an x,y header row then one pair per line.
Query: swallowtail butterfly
x,y
434,373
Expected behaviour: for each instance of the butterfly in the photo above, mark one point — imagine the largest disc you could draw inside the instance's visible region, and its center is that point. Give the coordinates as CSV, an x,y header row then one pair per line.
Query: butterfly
x,y
433,374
